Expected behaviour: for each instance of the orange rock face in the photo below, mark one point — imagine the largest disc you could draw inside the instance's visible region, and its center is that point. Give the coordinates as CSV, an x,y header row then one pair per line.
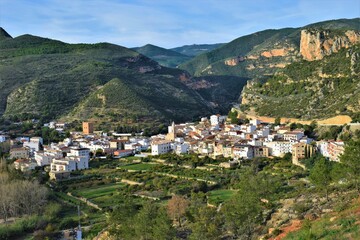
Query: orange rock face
x,y
234,61
231,62
314,45
275,53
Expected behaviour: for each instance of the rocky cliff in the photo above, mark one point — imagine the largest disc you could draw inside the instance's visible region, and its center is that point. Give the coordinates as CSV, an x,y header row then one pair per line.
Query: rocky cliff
x,y
308,90
315,44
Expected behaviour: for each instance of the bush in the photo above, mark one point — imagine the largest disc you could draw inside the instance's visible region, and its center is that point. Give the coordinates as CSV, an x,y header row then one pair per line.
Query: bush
x,y
67,223
19,228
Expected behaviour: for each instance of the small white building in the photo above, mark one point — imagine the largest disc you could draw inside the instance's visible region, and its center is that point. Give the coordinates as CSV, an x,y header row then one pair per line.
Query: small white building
x,y
279,148
263,132
69,164
19,153
322,147
44,158
24,165
214,120
255,122
243,151
135,147
181,148
160,147
3,138
248,128
295,135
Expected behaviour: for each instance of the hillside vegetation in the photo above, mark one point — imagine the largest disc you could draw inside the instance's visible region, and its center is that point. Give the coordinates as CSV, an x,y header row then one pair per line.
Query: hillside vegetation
x,y
196,49
49,78
260,53
306,90
165,57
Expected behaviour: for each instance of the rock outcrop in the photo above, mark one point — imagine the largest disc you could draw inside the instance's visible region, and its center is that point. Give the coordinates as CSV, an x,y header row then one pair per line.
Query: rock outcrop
x,y
315,44
276,52
234,61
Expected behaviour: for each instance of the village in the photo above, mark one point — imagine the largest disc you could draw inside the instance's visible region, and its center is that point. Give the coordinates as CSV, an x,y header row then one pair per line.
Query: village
x,y
212,137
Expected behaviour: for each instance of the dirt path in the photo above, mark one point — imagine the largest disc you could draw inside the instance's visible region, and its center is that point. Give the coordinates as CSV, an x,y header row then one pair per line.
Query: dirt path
x,y
337,120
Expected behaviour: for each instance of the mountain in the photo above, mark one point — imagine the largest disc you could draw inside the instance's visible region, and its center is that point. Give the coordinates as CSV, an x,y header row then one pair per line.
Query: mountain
x,y
260,53
196,49
309,72
295,72
4,34
310,89
165,57
52,79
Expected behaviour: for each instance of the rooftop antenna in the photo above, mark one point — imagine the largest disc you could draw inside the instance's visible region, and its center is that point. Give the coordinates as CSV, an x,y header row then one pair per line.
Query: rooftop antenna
x,y
78,231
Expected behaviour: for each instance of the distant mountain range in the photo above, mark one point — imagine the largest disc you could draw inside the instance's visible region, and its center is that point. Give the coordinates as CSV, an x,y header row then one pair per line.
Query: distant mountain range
x,y
175,56
108,83
165,57
99,82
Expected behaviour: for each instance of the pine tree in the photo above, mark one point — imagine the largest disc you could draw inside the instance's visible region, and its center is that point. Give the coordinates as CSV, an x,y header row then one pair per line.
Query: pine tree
x,y
320,175
351,161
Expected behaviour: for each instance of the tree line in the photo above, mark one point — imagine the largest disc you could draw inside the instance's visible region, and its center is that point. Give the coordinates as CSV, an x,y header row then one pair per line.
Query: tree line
x,y
19,197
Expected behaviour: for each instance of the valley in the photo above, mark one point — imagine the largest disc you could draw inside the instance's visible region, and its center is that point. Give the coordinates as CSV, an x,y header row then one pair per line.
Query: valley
x,y
256,138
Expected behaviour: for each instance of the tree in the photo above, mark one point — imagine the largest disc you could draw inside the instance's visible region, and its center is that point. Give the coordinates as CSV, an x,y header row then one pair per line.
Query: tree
x,y
320,175
20,197
207,225
233,117
176,208
150,222
243,212
120,220
351,160
277,121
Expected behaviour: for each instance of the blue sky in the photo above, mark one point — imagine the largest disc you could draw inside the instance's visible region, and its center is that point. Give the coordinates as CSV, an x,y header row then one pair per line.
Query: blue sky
x,y
166,23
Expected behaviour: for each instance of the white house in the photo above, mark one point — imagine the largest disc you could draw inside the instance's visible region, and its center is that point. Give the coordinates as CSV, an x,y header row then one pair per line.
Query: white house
x,y
295,135
80,152
279,148
181,148
33,146
243,151
61,165
24,165
19,153
3,138
248,128
264,132
43,158
69,164
255,122
255,142
160,147
37,140
214,120
136,147
83,156
322,147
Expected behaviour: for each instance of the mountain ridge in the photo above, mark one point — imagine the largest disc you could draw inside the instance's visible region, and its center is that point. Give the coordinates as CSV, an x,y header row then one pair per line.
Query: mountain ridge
x,y
49,78
165,57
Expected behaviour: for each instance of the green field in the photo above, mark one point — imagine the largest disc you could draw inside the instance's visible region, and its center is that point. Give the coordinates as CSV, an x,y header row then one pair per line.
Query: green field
x,y
98,191
138,167
221,195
